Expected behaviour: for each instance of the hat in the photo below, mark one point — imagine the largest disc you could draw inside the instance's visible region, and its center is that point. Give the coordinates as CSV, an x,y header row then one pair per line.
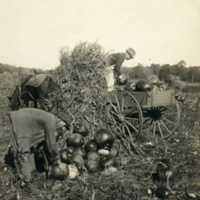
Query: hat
x,y
61,124
64,118
131,52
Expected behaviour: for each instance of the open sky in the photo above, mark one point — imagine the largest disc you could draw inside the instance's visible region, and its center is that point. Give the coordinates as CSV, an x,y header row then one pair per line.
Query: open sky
x,y
161,31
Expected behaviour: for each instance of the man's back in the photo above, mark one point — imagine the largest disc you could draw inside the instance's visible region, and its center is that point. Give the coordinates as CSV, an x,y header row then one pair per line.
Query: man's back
x,y
116,59
30,126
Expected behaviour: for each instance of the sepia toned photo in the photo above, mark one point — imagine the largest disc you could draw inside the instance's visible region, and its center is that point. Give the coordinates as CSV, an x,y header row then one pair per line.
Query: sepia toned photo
x,y
99,100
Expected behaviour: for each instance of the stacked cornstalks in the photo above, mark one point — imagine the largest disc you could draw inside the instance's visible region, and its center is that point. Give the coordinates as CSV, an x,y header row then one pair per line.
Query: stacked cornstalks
x,y
83,94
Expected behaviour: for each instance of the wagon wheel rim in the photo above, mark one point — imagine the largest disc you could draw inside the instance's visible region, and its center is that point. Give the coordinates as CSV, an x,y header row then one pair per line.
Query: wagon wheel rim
x,y
128,119
162,120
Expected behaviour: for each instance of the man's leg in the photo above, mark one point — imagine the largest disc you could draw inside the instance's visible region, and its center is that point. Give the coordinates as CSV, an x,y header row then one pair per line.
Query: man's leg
x,y
27,166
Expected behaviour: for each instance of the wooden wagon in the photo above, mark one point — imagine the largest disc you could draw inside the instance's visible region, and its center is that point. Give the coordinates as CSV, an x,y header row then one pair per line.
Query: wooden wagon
x,y
157,112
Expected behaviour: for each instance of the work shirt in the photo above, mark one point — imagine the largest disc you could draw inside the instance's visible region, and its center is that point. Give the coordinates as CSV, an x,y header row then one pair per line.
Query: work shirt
x,y
32,126
117,59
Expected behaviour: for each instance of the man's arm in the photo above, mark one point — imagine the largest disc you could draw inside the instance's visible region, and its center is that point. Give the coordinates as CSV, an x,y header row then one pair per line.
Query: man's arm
x,y
50,129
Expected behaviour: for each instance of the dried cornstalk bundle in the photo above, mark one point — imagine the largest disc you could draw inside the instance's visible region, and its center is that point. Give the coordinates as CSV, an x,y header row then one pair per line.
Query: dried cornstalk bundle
x,y
83,93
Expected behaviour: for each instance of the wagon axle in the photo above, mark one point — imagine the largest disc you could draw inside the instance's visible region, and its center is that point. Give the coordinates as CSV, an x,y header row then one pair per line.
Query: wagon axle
x,y
154,114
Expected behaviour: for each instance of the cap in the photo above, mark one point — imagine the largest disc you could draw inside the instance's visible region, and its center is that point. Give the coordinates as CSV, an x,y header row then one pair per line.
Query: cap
x,y
131,52
61,124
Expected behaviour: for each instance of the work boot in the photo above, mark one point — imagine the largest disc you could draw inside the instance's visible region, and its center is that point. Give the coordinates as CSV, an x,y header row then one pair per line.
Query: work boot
x,y
30,188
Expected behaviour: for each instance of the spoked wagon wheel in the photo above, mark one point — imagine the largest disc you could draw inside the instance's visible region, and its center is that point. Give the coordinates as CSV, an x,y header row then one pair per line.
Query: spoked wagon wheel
x,y
126,114
162,120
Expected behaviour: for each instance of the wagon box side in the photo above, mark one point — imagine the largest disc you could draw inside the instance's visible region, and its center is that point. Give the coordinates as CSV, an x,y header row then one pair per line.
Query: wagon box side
x,y
155,98
160,98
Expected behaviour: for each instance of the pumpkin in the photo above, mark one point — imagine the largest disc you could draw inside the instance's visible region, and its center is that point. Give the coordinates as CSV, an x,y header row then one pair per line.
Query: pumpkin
x,y
65,156
163,86
143,85
103,138
93,155
92,165
59,172
81,129
122,79
103,152
106,161
75,140
91,146
73,172
162,192
130,86
79,151
78,161
108,171
114,151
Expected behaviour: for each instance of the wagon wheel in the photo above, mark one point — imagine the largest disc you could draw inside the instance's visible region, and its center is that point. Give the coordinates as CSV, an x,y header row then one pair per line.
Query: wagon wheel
x,y
126,114
162,120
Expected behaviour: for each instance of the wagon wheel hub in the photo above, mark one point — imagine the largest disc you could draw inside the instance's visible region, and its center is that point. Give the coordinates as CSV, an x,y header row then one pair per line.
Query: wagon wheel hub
x,y
120,117
155,114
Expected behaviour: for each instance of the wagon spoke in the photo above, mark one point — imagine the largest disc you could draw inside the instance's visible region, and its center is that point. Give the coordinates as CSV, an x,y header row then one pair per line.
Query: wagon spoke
x,y
171,113
126,112
154,128
168,120
152,121
147,120
114,113
118,105
145,109
165,126
162,109
132,114
162,119
131,125
130,118
113,106
123,128
161,133
122,103
139,151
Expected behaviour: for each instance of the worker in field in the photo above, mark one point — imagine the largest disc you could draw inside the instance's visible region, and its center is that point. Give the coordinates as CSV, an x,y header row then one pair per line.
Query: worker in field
x,y
30,128
115,61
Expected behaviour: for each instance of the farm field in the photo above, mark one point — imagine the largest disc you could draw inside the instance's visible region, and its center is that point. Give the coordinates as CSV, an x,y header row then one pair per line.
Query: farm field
x,y
134,179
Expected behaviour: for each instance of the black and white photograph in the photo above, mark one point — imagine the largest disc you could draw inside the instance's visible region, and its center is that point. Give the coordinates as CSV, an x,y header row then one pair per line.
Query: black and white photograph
x,y
99,100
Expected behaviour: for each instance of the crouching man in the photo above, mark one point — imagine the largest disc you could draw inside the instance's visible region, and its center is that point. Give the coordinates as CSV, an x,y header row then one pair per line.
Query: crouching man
x,y
32,127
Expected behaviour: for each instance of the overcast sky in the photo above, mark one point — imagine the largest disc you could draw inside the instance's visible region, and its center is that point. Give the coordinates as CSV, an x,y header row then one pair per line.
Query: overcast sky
x,y
160,31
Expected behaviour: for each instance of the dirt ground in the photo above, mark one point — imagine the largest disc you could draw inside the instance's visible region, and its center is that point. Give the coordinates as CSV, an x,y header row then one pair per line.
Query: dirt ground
x,y
134,179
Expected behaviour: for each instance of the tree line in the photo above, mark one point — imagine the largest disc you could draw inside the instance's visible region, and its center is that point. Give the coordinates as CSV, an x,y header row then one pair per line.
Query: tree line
x,y
11,75
163,72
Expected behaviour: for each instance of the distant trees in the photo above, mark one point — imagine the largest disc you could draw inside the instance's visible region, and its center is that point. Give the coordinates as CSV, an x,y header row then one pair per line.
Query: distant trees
x,y
8,81
15,74
11,75
140,72
179,70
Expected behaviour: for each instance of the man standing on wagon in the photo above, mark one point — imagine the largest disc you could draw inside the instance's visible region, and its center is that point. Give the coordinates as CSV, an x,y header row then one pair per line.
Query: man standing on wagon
x,y
115,61
32,127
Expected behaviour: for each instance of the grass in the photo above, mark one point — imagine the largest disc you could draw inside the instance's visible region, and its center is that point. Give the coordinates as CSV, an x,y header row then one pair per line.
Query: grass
x,y
133,179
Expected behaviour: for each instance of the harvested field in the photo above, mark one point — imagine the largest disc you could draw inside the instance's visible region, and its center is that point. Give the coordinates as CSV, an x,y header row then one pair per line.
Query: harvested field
x,y
135,176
